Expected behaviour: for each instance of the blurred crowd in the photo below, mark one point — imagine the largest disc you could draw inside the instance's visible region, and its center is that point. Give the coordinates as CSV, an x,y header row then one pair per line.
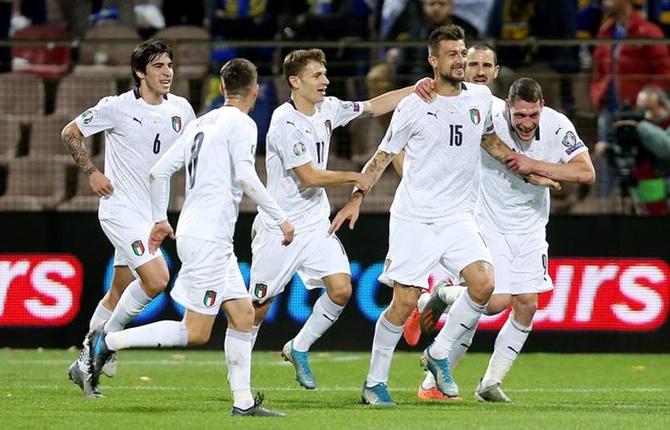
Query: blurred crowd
x,y
617,88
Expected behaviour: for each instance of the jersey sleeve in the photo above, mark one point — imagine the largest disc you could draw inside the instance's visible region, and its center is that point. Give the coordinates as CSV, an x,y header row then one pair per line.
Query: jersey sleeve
x,y
98,118
343,112
399,130
243,142
568,142
291,143
489,125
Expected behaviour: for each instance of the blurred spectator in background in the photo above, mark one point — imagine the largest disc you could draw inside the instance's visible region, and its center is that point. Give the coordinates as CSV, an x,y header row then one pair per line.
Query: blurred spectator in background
x,y
641,149
5,20
183,12
620,70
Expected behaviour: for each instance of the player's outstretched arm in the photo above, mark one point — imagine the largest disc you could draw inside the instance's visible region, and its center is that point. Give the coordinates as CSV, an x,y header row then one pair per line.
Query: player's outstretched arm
x,y
245,175
385,103
578,169
373,170
498,150
311,177
74,141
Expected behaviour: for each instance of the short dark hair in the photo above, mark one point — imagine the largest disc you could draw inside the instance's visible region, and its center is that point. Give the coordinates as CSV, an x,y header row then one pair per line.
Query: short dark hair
x,y
483,46
445,32
238,75
526,89
145,53
296,60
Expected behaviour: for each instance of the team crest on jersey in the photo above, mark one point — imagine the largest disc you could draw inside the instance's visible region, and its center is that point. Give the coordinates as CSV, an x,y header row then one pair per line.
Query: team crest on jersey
x,y
138,247
299,149
176,123
260,290
209,298
475,117
87,117
329,127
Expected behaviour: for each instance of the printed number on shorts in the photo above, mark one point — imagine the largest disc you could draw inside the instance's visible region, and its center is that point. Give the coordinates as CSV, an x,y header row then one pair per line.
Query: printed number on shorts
x,y
193,162
319,151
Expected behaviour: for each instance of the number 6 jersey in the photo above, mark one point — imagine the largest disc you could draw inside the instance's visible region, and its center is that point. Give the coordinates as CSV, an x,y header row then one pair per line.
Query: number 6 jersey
x,y
295,139
136,135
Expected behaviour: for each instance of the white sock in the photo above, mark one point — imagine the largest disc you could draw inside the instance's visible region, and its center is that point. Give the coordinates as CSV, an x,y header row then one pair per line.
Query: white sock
x,y
457,351
237,347
324,315
100,317
450,293
254,335
508,345
463,316
132,302
386,338
161,334
424,298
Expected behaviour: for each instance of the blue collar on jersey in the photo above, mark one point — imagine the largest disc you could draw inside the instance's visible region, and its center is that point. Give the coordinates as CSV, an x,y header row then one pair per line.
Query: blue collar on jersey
x,y
136,92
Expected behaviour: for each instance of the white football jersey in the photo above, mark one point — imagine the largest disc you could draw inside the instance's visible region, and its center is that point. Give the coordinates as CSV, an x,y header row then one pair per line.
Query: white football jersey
x,y
137,134
507,202
442,143
208,150
295,139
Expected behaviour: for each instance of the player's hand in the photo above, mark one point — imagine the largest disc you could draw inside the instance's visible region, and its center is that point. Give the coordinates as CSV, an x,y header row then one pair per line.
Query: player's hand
x,y
364,182
159,231
288,231
519,163
100,184
350,212
543,181
425,88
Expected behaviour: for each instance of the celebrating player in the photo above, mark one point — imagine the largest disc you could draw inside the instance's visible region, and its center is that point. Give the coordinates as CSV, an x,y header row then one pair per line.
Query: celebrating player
x,y
139,125
433,206
218,150
298,144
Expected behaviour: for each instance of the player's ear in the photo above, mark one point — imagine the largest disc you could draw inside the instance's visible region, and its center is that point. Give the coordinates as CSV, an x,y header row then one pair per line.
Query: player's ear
x,y
294,81
432,60
496,69
222,89
256,90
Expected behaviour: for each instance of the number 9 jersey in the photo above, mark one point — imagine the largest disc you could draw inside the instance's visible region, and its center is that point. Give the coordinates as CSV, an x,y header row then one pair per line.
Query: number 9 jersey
x,y
137,134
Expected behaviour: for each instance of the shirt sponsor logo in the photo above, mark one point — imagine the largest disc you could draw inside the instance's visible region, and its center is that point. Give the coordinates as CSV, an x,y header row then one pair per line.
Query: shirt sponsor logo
x,y
39,289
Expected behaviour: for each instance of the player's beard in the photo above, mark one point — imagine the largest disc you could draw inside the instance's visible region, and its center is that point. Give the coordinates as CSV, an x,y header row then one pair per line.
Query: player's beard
x,y
451,80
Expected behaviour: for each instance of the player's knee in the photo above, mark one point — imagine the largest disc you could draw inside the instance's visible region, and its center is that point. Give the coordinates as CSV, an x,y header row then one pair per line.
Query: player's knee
x,y
340,294
524,310
156,284
402,307
260,310
242,319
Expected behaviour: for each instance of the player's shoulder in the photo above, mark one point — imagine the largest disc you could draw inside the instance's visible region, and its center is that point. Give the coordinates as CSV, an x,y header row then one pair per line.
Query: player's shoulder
x,y
555,120
286,118
472,89
412,101
178,101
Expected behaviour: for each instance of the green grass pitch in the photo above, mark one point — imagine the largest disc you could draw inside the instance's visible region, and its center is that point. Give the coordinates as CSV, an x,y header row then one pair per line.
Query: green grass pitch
x,y
187,389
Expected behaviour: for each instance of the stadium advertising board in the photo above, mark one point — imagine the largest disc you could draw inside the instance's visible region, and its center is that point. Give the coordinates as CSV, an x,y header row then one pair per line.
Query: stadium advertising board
x,y
600,302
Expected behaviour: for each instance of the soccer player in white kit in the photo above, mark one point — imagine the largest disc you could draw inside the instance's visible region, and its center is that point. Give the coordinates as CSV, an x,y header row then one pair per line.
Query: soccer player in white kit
x,y
433,206
139,126
298,144
513,215
218,152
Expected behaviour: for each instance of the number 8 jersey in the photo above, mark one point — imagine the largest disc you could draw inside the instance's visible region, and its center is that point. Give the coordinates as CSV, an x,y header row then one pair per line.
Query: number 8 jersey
x,y
136,135
295,139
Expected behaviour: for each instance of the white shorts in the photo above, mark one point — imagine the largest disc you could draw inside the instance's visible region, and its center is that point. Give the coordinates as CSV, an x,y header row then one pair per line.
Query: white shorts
x,y
313,254
520,261
130,237
208,277
415,249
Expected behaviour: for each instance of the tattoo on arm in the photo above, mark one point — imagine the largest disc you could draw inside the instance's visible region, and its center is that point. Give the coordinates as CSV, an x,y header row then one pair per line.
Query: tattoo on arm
x,y
74,141
494,146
